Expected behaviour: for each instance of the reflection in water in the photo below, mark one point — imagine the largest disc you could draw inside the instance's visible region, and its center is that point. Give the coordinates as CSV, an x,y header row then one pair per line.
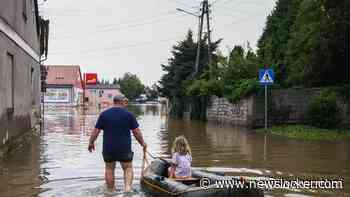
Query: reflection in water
x,y
58,163
20,175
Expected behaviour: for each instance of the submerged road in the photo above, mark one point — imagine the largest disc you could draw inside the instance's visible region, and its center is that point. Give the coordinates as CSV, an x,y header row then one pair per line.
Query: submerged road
x,y
58,163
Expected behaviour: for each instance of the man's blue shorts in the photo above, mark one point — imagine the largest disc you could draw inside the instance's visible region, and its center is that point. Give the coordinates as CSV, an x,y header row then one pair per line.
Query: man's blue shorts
x,y
121,157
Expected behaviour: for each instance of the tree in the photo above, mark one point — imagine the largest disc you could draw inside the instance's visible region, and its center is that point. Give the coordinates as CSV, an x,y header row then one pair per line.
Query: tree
x,y
115,81
179,68
307,42
272,44
179,72
131,86
335,42
302,52
152,92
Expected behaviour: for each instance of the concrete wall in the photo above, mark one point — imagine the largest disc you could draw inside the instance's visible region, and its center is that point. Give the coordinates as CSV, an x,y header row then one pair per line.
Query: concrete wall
x,y
222,111
284,106
20,79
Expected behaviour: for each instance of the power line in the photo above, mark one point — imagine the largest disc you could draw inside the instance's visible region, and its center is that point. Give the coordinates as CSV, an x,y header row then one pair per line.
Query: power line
x,y
216,1
115,49
184,4
242,20
122,27
230,12
238,3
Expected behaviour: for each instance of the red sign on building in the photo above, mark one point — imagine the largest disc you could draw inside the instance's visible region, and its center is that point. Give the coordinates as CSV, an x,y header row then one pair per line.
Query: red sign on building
x,y
90,78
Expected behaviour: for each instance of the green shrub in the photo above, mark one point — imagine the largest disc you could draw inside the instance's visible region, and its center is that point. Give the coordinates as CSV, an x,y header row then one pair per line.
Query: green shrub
x,y
203,87
323,111
241,89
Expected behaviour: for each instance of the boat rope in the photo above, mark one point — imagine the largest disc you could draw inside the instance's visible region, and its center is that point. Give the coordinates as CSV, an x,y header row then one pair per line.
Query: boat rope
x,y
145,163
153,157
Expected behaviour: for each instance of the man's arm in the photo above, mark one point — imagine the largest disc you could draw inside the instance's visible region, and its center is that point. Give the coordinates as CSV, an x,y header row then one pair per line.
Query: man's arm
x,y
139,137
93,137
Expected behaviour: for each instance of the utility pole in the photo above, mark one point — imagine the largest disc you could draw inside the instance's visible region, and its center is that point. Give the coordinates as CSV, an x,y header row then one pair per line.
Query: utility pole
x,y
199,39
209,31
204,12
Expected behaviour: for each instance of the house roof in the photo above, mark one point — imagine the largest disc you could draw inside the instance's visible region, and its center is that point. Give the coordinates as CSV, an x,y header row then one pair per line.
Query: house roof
x,y
59,86
64,75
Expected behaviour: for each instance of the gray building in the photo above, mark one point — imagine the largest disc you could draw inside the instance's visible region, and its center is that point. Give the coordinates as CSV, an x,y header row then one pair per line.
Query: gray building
x,y
23,41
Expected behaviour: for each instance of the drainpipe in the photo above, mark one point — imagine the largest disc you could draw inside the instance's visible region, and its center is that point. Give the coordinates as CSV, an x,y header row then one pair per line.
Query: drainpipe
x,y
42,97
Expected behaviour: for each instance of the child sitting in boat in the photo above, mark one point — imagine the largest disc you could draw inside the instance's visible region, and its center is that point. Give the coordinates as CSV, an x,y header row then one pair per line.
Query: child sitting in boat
x,y
181,159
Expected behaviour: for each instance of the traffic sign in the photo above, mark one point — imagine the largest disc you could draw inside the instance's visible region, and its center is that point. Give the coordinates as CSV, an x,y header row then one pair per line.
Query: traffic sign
x,y
266,76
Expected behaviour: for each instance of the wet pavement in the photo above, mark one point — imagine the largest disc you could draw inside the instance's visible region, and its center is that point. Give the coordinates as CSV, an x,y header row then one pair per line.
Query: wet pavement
x,y
58,163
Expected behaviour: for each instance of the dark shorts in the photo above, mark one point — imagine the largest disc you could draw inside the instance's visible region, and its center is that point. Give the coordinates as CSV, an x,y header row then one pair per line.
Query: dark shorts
x,y
121,157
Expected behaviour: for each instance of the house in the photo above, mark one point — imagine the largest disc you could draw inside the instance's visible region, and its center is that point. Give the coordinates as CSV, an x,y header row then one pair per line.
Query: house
x,y
23,44
64,85
101,95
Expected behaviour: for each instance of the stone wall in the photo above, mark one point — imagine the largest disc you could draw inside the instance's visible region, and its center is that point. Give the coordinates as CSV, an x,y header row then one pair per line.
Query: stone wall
x,y
222,111
284,106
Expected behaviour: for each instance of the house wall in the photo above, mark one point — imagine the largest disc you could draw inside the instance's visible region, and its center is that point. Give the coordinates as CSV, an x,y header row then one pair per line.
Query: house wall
x,y
106,98
70,96
11,13
19,71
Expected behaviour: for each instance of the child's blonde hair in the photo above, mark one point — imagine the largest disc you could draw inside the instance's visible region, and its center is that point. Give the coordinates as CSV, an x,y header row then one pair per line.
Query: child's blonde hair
x,y
180,145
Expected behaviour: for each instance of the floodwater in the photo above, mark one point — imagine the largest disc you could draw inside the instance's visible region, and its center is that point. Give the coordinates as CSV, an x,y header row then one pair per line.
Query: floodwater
x,y
58,163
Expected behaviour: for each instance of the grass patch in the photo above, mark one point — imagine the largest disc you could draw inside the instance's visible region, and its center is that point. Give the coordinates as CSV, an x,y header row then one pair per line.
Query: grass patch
x,y
308,132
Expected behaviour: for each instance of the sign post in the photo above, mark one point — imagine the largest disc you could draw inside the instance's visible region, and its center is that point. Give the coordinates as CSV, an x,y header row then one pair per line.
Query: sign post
x,y
89,79
266,78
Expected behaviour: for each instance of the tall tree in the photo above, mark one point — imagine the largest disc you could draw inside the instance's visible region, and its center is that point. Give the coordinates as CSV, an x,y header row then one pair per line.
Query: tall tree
x,y
179,72
131,86
302,53
180,67
335,42
272,44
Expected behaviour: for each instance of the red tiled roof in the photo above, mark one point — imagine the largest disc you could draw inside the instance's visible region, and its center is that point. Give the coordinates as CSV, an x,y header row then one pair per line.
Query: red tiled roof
x,y
64,75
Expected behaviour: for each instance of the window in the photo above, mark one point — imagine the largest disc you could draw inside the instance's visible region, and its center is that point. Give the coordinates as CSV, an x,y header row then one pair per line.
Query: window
x,y
10,76
31,74
32,86
24,10
101,93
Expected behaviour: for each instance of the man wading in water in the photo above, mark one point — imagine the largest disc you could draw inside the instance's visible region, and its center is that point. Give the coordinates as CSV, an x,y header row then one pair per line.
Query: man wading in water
x,y
116,123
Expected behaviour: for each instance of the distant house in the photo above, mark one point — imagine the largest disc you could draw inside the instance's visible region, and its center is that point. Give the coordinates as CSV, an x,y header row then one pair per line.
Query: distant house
x,y
101,95
64,86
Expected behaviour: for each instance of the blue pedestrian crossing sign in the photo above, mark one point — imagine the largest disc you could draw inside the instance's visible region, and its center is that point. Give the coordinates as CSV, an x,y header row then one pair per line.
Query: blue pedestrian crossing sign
x,y
266,76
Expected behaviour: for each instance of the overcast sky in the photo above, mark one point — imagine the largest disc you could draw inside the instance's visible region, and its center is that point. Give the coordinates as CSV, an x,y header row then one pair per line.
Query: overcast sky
x,y
111,37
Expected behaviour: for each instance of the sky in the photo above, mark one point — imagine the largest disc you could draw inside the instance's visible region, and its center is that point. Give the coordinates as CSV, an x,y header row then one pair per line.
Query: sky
x,y
112,37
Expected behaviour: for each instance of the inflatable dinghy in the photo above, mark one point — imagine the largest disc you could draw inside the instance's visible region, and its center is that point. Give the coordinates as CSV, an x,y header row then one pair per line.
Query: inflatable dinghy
x,y
155,182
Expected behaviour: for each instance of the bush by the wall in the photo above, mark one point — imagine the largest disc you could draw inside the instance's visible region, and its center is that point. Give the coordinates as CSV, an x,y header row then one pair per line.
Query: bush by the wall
x,y
323,111
242,88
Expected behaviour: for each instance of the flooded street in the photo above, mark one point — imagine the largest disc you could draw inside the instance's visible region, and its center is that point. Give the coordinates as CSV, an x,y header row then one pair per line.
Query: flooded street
x,y
58,163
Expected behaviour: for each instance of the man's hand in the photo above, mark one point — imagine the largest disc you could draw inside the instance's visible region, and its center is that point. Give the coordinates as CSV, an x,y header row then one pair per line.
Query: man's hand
x,y
93,137
91,147
144,145
138,135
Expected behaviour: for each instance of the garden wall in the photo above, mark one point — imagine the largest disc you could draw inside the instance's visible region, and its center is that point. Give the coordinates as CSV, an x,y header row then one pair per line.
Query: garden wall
x,y
285,106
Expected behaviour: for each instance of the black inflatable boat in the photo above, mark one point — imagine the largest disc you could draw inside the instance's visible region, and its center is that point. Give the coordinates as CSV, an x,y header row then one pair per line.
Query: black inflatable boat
x,y
154,182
